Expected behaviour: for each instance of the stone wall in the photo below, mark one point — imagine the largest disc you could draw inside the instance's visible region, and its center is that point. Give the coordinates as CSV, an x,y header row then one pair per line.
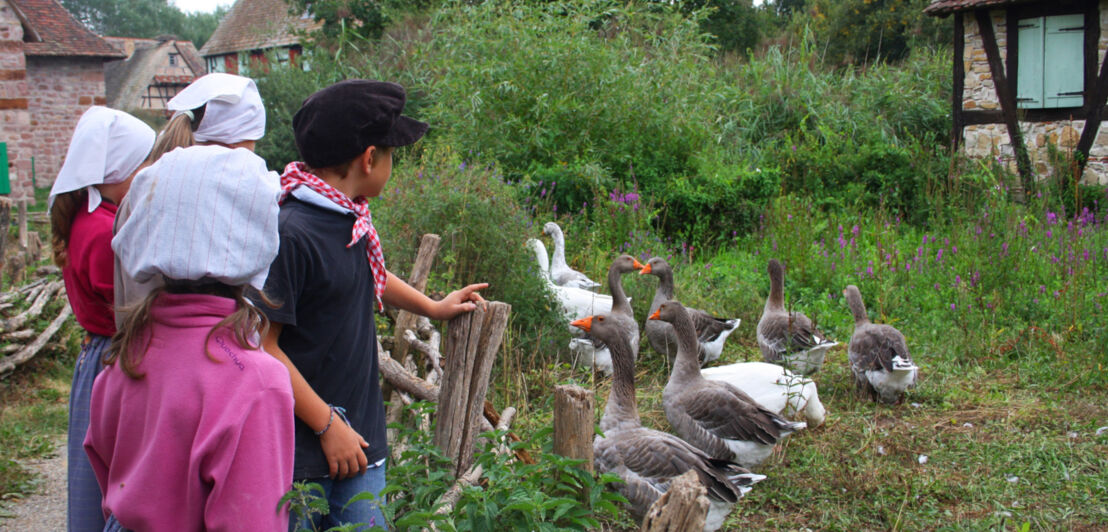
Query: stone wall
x,y
992,140
15,95
62,89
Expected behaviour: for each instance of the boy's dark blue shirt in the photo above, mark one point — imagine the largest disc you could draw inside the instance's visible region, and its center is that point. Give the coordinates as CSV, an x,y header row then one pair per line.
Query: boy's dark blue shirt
x,y
324,292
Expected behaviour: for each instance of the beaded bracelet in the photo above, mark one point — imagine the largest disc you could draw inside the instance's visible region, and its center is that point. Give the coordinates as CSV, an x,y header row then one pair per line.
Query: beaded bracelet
x,y
342,414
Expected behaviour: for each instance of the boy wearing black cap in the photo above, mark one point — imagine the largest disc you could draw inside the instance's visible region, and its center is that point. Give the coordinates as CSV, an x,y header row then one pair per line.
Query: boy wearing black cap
x,y
328,279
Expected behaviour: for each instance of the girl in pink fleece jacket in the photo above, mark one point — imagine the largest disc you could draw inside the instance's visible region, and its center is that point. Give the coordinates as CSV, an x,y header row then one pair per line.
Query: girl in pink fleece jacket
x,y
191,423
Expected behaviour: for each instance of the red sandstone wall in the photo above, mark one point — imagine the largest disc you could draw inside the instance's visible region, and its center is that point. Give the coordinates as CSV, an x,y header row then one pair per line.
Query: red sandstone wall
x,y
62,88
15,116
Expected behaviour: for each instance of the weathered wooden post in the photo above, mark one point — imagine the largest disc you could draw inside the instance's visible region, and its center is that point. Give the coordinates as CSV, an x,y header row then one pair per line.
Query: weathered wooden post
x,y
683,507
428,248
5,225
470,347
574,409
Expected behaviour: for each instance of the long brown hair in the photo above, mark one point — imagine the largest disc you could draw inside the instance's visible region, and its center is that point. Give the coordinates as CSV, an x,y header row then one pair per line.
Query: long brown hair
x,y
133,338
62,213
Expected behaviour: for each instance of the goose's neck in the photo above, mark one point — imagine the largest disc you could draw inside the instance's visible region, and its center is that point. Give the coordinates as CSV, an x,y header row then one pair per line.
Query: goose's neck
x,y
559,249
776,299
541,257
857,308
621,410
619,298
664,292
687,365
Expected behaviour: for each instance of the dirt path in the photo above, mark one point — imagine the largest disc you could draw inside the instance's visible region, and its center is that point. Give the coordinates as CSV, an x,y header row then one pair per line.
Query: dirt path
x,y
44,511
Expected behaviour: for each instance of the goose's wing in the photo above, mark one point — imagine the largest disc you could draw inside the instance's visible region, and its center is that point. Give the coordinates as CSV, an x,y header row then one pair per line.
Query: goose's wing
x,y
788,333
651,459
726,412
708,327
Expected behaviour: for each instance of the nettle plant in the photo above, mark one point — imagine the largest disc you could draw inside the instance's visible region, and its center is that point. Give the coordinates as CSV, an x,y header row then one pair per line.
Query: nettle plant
x,y
553,494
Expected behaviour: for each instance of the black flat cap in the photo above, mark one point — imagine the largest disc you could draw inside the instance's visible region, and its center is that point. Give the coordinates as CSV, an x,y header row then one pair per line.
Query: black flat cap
x,y
339,122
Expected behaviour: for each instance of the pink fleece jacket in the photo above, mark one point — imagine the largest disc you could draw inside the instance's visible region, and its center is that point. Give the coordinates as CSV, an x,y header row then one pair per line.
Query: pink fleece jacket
x,y
195,444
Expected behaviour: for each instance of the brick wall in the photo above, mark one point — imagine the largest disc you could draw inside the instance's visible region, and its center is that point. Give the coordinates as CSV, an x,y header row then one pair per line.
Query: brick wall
x,y
62,88
15,116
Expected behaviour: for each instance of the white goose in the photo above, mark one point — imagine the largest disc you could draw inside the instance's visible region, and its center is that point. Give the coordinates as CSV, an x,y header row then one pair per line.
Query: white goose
x,y
878,354
714,416
648,460
560,272
789,338
774,387
576,303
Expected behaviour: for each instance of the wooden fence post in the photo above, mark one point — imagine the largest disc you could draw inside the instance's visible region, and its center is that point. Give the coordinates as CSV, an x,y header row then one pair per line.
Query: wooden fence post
x,y
5,226
683,507
428,248
470,347
574,412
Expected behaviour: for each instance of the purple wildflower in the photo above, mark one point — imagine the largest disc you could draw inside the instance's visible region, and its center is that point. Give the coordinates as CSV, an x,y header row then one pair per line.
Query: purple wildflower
x,y
952,307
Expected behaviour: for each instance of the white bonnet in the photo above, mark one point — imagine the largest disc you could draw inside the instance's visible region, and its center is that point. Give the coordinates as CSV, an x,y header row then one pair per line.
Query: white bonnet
x,y
203,212
234,111
106,148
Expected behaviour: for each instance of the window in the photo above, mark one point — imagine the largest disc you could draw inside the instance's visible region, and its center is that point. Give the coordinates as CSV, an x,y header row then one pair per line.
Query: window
x,y
172,59
282,55
1050,67
216,64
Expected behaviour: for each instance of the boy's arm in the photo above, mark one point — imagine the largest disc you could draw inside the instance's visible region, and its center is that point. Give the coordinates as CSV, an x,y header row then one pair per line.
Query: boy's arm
x,y
342,445
404,296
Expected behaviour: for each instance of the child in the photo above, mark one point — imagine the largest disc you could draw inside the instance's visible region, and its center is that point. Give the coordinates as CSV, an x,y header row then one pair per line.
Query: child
x,y
108,146
327,290
217,109
191,423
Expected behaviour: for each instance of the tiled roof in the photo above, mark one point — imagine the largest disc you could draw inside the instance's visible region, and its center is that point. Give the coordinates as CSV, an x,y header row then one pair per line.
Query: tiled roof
x,y
50,30
257,24
942,8
174,80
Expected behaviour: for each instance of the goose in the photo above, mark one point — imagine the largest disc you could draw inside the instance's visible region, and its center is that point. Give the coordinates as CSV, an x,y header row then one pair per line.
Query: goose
x,y
560,272
711,332
648,460
599,356
715,416
774,387
878,354
575,302
789,338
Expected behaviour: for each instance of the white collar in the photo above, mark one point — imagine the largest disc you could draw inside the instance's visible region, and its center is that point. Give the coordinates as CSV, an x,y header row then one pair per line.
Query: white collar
x,y
311,197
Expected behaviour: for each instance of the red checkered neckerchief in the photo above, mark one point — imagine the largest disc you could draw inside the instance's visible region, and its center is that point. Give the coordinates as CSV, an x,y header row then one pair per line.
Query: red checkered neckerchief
x,y
296,174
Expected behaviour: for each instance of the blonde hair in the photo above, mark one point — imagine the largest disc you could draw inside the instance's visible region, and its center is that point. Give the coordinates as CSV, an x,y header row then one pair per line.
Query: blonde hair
x,y
132,340
177,133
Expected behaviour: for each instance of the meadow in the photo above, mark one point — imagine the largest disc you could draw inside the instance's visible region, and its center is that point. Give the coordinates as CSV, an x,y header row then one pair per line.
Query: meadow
x,y
629,128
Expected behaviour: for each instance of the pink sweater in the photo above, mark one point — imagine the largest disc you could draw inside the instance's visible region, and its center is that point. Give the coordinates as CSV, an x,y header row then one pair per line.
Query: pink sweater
x,y
195,444
89,270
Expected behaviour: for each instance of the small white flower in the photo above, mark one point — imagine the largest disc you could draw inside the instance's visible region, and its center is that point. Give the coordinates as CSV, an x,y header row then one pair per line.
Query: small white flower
x,y
1013,479
923,459
881,450
1101,430
967,425
916,405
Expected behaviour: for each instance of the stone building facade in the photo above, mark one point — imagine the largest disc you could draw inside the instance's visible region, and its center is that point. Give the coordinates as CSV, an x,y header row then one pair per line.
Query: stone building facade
x,y
62,75
979,111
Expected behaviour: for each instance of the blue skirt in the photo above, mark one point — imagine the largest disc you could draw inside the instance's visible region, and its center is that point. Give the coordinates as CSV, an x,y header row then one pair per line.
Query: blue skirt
x,y
84,512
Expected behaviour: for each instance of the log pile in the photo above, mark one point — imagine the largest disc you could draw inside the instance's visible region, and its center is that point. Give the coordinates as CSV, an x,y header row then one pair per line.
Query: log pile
x,y
22,341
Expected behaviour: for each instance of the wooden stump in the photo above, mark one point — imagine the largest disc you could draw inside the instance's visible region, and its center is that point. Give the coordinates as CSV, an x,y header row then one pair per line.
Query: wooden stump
x,y
5,225
683,507
573,423
470,347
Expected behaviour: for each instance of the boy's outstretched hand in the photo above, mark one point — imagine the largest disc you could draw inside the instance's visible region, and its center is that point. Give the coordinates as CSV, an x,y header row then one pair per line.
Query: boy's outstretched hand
x,y
459,301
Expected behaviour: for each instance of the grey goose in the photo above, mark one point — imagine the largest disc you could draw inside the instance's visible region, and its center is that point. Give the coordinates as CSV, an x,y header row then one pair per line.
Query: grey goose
x,y
878,354
789,338
648,460
711,332
715,416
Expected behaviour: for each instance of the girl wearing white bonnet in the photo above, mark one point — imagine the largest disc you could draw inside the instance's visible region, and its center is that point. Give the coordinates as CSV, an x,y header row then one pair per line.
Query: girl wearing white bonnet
x,y
191,422
218,114
107,147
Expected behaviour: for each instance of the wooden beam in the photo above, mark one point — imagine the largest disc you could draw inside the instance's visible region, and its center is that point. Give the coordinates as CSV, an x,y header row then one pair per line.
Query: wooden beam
x,y
1006,95
1099,93
959,81
975,117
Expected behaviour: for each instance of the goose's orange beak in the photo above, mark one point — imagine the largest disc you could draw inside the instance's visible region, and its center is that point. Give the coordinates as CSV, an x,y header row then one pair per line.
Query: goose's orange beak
x,y
645,269
585,324
656,316
636,264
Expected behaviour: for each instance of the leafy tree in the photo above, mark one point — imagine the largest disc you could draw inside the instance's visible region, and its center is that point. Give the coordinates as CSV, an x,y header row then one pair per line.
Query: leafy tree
x,y
865,31
367,18
736,24
144,18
